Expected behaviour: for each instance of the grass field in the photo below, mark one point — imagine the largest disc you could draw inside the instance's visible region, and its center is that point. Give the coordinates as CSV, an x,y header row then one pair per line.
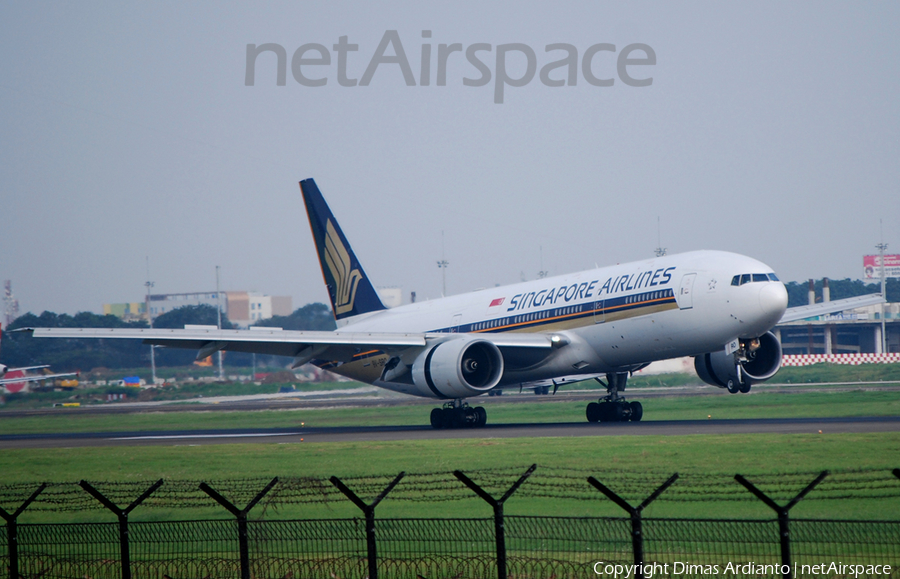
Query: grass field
x,y
654,456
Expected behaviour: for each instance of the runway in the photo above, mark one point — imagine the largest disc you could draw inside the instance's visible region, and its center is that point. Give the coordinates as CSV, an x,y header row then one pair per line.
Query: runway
x,y
370,397
495,431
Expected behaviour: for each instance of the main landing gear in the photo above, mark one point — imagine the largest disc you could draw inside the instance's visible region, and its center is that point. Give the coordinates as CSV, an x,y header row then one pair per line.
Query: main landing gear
x,y
735,387
612,407
458,414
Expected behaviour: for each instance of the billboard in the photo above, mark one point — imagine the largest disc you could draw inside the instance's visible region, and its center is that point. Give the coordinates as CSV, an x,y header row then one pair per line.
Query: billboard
x,y
872,266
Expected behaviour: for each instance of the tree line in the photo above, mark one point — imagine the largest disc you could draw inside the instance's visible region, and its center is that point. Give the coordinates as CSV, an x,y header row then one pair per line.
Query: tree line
x,y
68,355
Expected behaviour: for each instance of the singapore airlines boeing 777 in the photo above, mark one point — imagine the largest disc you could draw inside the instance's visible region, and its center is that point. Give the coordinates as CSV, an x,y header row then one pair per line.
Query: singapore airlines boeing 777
x,y
716,306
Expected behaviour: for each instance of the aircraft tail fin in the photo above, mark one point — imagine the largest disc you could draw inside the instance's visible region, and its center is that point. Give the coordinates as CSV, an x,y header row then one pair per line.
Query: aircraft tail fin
x,y
349,288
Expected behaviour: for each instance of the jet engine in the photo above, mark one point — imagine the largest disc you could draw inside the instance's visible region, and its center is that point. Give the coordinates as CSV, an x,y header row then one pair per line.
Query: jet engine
x,y
756,360
458,368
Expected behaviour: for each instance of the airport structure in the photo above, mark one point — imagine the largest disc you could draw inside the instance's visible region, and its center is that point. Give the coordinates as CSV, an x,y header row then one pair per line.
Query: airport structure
x,y
242,308
857,331
391,297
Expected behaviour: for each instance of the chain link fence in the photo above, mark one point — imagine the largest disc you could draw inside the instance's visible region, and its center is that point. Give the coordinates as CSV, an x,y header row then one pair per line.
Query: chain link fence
x,y
502,546
537,547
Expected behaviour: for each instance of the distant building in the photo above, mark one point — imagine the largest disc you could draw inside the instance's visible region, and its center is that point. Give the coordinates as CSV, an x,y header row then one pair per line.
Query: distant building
x,y
130,312
242,308
856,331
391,297
247,308
163,303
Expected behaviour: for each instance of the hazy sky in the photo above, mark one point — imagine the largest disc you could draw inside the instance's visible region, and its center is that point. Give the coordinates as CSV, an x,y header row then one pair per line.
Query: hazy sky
x,y
127,133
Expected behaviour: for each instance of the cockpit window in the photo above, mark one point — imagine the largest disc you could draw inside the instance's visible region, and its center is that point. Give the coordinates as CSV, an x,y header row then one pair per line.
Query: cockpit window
x,y
752,277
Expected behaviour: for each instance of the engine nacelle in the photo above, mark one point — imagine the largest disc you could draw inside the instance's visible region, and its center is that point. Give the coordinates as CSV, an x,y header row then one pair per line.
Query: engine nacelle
x,y
459,368
756,361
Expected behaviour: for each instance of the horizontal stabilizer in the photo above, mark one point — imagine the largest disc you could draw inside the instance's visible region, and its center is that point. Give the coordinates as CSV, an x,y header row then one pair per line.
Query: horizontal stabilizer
x,y
36,378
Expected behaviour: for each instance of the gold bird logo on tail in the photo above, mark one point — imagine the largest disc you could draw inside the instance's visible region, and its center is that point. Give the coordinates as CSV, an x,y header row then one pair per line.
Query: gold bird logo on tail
x,y
345,280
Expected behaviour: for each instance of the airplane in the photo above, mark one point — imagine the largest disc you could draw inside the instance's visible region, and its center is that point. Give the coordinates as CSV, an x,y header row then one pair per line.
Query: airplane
x,y
20,377
716,306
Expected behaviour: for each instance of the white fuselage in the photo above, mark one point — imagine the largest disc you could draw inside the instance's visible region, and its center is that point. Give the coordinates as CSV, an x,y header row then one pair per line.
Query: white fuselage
x,y
613,318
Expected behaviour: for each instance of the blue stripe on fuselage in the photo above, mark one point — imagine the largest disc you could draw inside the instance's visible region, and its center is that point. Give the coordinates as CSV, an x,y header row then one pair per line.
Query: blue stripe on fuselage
x,y
539,318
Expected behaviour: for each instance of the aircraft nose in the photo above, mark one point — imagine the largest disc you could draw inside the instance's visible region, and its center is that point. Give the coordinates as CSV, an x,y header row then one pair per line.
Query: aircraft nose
x,y
773,300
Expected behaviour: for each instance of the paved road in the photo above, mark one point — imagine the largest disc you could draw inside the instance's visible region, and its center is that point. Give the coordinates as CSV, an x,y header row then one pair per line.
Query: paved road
x,y
387,433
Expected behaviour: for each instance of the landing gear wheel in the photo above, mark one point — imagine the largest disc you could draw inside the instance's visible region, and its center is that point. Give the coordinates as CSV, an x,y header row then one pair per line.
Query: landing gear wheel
x,y
745,388
613,407
480,416
458,415
437,418
733,387
608,412
637,411
454,418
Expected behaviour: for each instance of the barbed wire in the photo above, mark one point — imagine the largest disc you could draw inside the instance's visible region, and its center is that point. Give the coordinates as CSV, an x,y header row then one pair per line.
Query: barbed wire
x,y
442,487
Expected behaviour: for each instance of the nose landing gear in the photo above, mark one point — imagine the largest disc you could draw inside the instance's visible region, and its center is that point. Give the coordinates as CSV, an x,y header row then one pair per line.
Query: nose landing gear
x,y
612,407
458,414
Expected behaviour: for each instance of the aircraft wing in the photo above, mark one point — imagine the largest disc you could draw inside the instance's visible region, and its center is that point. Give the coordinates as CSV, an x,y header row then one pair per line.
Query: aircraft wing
x,y
36,378
803,312
302,346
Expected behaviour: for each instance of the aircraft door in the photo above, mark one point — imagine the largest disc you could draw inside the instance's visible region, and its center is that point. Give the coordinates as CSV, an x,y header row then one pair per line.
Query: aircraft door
x,y
599,312
454,325
686,292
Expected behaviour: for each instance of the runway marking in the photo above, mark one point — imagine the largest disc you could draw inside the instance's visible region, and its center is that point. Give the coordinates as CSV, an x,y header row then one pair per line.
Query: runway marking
x,y
178,436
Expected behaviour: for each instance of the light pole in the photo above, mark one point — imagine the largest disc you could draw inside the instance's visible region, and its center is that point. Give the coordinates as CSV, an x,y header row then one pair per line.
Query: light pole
x,y
542,273
149,285
442,265
660,250
219,322
881,247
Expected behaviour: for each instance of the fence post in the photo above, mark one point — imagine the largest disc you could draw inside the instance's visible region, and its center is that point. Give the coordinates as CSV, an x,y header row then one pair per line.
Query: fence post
x,y
637,536
497,504
12,531
369,512
122,515
783,518
241,515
